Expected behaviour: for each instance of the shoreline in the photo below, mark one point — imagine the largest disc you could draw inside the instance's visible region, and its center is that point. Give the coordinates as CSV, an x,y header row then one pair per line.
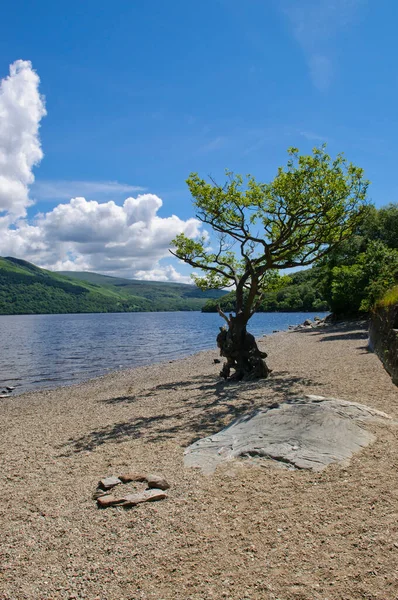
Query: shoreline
x,y
177,356
248,531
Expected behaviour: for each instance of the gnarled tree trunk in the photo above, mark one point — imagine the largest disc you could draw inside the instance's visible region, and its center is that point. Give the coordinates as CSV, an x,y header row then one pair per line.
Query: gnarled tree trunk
x,y
241,351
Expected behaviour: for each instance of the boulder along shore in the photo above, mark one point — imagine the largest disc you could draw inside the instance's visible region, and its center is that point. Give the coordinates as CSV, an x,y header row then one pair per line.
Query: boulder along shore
x,y
249,531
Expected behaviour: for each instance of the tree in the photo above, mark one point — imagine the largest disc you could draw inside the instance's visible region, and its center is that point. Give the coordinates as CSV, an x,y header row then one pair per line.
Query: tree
x,y
357,273
310,207
358,286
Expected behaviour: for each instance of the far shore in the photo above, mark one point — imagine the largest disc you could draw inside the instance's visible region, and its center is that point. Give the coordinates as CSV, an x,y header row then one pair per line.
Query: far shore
x,y
248,532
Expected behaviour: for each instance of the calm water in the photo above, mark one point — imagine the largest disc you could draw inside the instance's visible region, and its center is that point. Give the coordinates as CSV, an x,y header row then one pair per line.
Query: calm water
x,y
42,351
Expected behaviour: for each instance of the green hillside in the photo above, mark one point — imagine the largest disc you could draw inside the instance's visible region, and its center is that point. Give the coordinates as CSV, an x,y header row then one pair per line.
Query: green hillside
x,y
27,289
148,289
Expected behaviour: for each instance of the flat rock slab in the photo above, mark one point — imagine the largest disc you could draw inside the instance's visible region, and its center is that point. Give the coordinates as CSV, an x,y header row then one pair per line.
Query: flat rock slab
x,y
109,482
146,496
153,481
308,432
131,499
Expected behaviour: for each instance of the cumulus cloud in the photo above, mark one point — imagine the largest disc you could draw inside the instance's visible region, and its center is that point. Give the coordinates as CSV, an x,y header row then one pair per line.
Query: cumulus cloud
x,y
129,240
166,273
80,234
21,110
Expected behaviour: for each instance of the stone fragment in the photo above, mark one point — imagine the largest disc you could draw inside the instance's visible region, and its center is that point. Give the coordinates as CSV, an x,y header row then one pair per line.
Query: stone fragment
x,y
127,477
109,482
98,493
109,500
9,388
307,322
146,496
155,481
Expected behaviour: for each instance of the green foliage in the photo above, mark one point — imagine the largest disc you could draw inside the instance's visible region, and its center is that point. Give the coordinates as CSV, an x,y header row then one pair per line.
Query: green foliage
x,y
358,273
311,205
381,225
298,292
27,289
389,298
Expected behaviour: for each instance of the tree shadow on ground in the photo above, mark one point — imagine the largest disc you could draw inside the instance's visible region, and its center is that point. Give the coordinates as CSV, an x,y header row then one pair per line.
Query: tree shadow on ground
x,y
348,335
209,405
349,330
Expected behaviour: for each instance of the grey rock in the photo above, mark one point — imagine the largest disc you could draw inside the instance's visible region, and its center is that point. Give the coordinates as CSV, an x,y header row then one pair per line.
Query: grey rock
x,y
307,322
9,388
109,482
308,432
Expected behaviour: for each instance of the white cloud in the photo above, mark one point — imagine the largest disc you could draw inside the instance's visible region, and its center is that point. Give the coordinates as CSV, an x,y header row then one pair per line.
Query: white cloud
x,y
88,235
315,25
64,190
166,273
80,234
21,110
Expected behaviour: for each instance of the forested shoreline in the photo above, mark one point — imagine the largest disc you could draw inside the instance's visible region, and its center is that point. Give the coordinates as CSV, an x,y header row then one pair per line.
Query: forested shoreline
x,y
349,281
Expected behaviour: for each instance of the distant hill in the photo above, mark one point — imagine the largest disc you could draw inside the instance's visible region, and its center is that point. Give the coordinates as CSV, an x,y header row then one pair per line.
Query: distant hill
x,y
147,289
27,289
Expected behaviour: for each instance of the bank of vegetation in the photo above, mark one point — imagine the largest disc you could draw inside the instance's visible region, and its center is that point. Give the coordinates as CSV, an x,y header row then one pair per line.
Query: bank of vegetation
x,y
349,281
27,289
359,273
297,292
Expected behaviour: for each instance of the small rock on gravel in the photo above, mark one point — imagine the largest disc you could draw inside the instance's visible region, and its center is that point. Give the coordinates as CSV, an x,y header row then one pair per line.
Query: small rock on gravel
x,y
155,481
146,496
128,477
131,499
109,482
109,500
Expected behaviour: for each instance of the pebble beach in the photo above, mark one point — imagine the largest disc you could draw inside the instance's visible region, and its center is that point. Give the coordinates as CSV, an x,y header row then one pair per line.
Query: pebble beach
x,y
250,531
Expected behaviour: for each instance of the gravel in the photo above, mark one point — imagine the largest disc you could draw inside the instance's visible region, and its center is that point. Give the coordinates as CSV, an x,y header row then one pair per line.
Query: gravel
x,y
248,532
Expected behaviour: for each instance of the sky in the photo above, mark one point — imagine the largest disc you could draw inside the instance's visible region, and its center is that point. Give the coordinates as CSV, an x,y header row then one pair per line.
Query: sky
x,y
106,107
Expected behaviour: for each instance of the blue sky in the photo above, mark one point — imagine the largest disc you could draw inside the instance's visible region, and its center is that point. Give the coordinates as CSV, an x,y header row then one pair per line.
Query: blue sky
x,y
139,94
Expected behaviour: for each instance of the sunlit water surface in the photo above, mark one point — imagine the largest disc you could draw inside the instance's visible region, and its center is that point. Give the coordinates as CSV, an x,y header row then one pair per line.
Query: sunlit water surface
x,y
42,351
